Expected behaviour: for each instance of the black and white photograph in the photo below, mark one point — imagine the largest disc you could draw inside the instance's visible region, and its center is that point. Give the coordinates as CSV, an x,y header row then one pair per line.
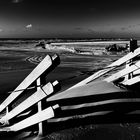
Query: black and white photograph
x,y
69,70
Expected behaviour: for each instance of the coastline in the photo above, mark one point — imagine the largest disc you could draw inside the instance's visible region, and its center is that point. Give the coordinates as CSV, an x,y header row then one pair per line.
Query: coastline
x,y
72,70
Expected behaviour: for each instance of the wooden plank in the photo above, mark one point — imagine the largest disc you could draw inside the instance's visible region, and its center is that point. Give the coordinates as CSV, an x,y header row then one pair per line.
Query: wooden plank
x,y
137,72
40,107
92,77
37,72
91,89
126,58
30,101
34,119
123,72
109,68
131,81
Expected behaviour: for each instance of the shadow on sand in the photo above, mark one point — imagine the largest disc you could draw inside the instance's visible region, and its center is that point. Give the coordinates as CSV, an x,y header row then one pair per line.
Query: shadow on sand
x,y
111,108
95,109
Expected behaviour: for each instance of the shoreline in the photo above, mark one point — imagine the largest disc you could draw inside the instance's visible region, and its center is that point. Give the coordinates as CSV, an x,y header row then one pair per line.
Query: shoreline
x,y
69,73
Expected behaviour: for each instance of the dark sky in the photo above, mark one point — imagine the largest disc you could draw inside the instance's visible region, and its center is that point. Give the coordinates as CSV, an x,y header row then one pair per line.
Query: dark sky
x,y
58,19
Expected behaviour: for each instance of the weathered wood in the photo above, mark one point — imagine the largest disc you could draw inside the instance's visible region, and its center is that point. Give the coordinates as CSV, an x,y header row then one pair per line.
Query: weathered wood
x,y
136,73
123,72
40,107
37,72
34,119
109,68
131,81
30,101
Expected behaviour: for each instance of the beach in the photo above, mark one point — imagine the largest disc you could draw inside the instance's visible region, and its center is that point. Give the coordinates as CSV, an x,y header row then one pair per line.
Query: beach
x,y
20,58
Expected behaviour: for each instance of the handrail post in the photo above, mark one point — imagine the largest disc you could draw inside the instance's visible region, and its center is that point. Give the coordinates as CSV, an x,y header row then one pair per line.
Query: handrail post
x,y
133,47
129,75
40,125
7,109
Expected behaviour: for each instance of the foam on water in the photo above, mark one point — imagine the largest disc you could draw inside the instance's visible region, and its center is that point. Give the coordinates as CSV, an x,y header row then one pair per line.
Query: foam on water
x,y
78,49
60,48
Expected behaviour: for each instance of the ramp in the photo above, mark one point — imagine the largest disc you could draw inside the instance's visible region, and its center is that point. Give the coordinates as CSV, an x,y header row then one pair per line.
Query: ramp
x,y
93,88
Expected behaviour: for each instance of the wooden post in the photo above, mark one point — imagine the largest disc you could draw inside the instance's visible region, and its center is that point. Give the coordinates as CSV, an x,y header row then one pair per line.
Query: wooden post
x,y
7,109
40,125
128,76
133,47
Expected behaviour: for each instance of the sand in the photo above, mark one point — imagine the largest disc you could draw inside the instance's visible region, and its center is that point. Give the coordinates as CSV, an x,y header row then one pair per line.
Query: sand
x,y
73,68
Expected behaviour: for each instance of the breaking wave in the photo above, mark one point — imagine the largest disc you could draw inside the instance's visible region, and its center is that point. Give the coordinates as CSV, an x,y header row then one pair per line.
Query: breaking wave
x,y
76,50
60,48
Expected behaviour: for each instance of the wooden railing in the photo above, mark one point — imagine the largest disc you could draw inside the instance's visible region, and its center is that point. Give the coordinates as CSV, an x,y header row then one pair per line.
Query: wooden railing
x,y
83,90
43,90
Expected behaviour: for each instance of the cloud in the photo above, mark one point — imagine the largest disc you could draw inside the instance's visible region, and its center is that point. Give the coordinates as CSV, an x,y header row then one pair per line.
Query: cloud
x,y
1,30
16,1
29,26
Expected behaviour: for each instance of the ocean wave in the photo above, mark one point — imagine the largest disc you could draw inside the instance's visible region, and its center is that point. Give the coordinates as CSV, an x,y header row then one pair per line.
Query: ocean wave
x,y
60,48
75,50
